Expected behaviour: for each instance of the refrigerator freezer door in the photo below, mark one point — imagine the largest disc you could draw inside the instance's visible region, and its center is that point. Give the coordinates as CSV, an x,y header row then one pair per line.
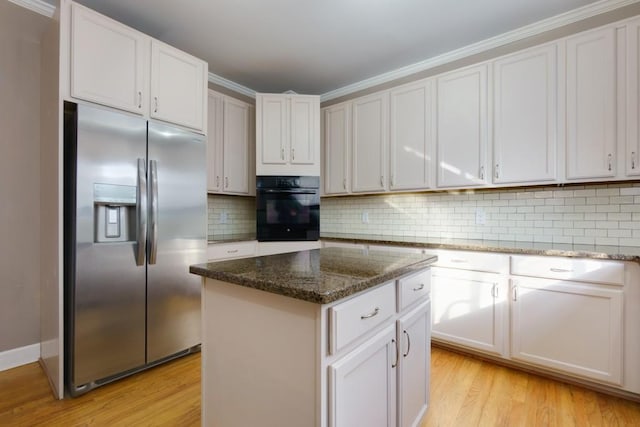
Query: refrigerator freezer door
x,y
108,327
177,239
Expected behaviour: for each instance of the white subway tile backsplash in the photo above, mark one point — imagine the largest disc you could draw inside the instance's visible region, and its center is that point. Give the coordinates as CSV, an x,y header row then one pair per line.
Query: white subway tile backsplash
x,y
588,215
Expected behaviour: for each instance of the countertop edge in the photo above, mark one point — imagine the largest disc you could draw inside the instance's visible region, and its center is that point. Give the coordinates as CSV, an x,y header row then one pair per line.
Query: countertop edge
x,y
569,253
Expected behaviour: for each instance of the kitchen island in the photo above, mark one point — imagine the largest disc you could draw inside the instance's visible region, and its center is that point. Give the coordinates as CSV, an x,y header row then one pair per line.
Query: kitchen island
x,y
329,336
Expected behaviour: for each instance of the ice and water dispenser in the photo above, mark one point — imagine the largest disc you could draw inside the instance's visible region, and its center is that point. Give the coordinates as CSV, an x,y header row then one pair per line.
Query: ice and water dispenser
x,y
115,213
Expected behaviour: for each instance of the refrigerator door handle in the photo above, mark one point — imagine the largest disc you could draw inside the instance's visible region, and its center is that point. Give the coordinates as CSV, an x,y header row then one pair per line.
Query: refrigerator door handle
x,y
153,217
141,220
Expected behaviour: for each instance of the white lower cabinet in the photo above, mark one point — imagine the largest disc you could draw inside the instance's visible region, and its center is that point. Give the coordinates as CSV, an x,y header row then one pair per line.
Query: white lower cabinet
x,y
414,338
362,388
469,308
570,327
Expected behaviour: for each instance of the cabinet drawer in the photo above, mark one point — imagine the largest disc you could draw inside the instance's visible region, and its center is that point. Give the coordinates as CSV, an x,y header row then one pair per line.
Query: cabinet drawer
x,y
580,270
220,251
357,316
413,288
476,261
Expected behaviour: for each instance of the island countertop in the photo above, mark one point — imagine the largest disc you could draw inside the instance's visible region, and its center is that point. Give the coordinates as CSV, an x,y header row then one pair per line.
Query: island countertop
x,y
319,275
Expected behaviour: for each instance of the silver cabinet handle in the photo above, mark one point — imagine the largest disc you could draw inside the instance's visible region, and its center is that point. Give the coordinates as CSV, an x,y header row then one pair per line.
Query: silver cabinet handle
x,y
232,251
218,181
609,160
494,290
419,288
293,154
344,183
370,315
633,160
155,99
408,344
153,217
514,292
481,172
282,154
497,170
392,180
141,217
139,99
226,182
560,270
394,342
382,180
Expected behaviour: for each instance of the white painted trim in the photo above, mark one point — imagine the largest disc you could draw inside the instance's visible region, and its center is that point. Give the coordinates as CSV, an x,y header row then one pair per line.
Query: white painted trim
x,y
19,356
236,87
38,6
536,28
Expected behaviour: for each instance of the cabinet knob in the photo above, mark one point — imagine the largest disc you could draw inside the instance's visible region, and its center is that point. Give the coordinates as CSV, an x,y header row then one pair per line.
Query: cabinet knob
x,y
609,160
139,99
155,100
497,170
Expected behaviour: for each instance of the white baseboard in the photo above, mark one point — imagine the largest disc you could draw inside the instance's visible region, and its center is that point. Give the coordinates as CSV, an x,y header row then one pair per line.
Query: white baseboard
x,y
19,356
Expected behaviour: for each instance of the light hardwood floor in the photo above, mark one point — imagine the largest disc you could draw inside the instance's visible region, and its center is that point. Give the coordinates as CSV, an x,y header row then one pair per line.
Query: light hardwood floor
x,y
464,392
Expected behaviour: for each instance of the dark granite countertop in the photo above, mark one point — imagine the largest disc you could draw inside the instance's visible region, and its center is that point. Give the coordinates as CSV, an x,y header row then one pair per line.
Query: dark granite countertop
x,y
319,275
232,237
619,253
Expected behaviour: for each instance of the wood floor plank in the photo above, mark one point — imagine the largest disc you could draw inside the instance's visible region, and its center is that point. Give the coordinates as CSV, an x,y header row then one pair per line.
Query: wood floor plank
x,y
464,392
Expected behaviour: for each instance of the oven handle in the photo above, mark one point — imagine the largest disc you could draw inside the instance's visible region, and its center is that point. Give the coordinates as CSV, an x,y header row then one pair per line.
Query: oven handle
x,y
288,191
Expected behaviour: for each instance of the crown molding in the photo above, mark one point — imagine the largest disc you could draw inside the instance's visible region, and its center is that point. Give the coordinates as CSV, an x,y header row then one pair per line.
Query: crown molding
x,y
236,87
536,28
38,6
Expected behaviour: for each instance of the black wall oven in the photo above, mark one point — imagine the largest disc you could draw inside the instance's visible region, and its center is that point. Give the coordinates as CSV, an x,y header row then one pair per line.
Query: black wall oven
x,y
288,208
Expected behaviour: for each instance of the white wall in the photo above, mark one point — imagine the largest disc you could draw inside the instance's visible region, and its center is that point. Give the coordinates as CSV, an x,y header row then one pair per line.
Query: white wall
x,y
602,214
20,32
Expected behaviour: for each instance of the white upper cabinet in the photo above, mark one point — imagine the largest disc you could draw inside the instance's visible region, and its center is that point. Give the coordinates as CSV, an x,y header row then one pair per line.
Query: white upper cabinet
x,y
117,66
462,128
411,130
591,105
337,146
370,142
214,142
288,134
109,61
525,116
230,146
178,86
237,144
632,163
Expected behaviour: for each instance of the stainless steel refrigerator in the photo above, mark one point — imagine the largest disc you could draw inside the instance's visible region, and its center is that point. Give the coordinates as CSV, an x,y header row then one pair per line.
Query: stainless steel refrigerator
x,y
135,219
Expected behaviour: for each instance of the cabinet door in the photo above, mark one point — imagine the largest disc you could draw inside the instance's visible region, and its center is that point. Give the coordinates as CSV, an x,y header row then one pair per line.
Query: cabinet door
x,y
214,141
337,135
305,112
274,129
178,86
525,116
108,61
462,128
633,99
370,142
236,146
468,309
362,385
567,326
591,105
414,336
411,136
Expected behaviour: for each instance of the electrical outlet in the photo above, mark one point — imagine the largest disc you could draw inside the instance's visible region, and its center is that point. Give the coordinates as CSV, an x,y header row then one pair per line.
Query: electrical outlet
x,y
223,217
365,217
481,216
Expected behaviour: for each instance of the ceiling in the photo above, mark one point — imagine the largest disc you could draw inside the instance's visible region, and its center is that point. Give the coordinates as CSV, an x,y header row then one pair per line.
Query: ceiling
x,y
318,46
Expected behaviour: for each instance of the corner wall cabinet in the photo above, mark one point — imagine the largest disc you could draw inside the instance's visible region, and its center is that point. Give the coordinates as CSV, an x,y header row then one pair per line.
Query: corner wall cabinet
x,y
287,134
114,65
230,146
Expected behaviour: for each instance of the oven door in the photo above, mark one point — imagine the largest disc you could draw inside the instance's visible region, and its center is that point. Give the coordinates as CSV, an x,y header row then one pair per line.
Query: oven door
x,y
287,214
